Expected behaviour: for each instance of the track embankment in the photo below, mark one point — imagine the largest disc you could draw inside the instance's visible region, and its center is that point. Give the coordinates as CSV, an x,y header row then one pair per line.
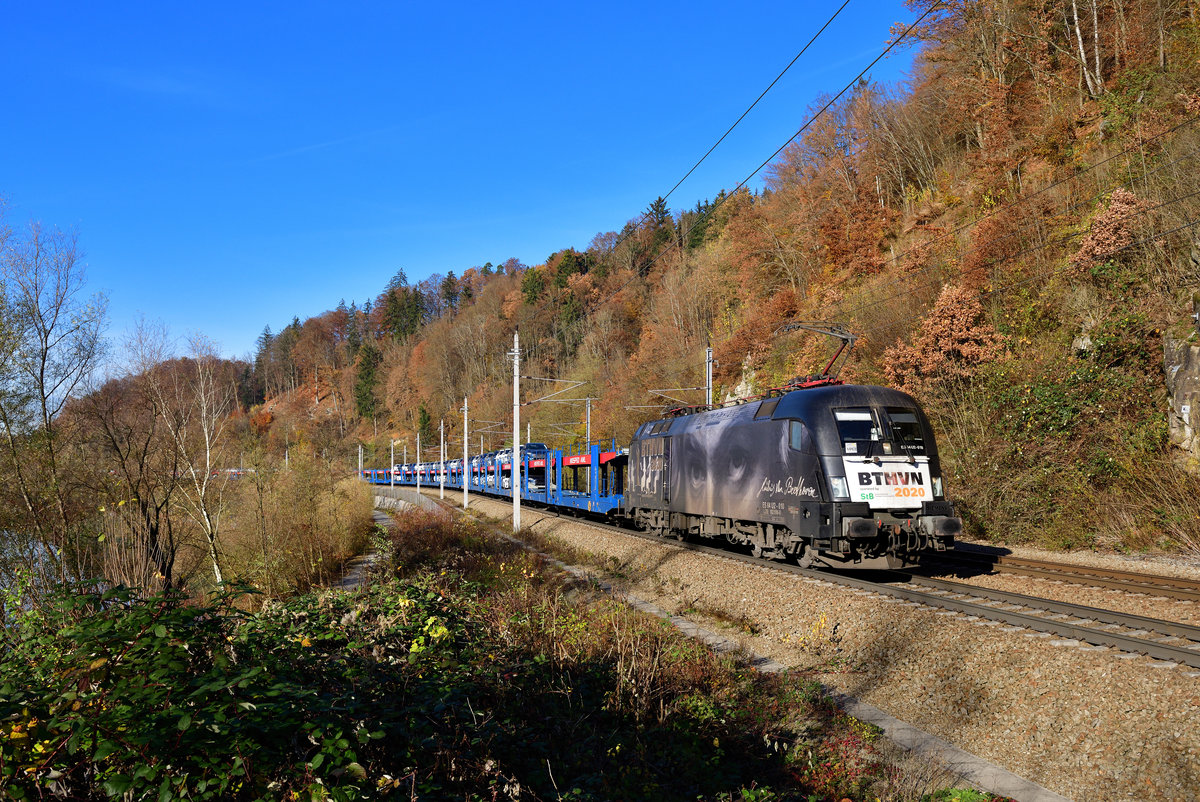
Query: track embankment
x,y
1086,722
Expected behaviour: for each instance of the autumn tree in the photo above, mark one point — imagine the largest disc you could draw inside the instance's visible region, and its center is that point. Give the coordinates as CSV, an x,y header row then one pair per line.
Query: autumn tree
x,y
129,439
954,340
1113,230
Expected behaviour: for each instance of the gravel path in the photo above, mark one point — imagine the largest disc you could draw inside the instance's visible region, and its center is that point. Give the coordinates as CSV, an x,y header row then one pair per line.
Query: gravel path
x,y
1086,722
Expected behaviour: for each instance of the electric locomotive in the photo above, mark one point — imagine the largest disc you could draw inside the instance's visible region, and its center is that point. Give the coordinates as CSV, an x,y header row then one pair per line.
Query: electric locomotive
x,y
841,475
820,472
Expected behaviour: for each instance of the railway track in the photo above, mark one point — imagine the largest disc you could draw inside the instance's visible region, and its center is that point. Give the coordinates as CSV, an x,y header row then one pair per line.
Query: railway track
x,y
1166,641
1128,581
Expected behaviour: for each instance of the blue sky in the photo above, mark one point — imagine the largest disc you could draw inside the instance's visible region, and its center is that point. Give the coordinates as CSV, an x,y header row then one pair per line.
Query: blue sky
x,y
227,166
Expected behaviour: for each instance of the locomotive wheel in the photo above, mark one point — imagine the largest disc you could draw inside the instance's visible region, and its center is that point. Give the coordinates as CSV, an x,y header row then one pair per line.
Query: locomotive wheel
x,y
770,554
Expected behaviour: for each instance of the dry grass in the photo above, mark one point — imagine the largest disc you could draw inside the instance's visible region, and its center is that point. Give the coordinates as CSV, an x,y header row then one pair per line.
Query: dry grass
x,y
286,531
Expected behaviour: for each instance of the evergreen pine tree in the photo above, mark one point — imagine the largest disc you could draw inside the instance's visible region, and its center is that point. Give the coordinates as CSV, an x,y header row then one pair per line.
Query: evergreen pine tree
x,y
365,401
424,424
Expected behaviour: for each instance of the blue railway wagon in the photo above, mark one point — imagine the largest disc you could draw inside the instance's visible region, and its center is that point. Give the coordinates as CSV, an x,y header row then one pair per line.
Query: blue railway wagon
x,y
587,479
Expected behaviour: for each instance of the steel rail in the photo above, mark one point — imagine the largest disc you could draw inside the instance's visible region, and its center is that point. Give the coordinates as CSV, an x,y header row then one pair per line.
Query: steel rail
x,y
1128,581
1074,631
1097,614
1071,630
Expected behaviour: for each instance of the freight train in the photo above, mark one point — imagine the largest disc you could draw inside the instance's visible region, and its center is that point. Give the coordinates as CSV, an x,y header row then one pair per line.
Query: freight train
x,y
822,473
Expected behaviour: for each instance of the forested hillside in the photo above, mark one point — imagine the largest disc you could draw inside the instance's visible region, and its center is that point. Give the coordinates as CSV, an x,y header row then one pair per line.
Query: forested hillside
x,y
1010,235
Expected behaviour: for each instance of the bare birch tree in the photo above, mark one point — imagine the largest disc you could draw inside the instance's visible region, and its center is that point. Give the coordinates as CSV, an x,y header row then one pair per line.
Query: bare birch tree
x,y
194,401
50,341
1091,74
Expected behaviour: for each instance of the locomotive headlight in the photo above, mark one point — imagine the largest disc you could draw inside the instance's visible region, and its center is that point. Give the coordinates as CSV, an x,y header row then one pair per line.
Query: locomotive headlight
x,y
841,490
938,492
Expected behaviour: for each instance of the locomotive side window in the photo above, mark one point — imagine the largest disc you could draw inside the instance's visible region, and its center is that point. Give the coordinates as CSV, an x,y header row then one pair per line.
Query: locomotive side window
x,y
858,430
906,430
796,435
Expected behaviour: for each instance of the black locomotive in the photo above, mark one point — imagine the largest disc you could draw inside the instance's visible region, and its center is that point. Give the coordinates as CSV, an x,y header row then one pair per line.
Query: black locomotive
x,y
841,475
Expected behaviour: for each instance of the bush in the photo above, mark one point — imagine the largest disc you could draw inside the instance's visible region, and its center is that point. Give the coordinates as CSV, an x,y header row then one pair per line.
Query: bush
x,y
475,677
287,531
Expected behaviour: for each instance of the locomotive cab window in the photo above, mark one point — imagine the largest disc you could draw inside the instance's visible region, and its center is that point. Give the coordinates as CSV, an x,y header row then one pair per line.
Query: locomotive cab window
x,y
906,431
858,429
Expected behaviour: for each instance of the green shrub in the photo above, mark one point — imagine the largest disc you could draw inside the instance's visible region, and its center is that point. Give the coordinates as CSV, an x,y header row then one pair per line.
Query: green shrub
x,y
477,676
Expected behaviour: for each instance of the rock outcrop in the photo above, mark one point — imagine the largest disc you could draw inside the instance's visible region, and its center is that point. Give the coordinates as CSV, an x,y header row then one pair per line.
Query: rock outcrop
x,y
1181,363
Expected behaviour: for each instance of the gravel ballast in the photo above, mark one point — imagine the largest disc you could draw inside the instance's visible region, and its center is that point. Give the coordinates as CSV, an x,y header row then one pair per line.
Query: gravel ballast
x,y
1085,722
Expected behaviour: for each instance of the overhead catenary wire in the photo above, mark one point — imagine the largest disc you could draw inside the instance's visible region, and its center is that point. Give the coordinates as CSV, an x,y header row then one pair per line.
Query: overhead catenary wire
x,y
828,22
807,124
631,230
1141,143
841,305
1024,199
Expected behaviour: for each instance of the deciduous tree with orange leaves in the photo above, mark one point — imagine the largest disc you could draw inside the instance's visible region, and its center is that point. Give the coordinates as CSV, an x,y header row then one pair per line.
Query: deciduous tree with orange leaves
x,y
955,340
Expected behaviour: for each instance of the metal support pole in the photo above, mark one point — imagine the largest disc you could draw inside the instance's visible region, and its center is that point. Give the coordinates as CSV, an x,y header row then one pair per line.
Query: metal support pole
x,y
589,419
442,459
516,449
418,462
360,464
708,363
392,464
466,471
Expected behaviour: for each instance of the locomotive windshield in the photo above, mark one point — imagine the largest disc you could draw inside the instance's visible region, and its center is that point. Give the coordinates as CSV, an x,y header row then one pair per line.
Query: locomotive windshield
x,y
858,429
867,432
906,430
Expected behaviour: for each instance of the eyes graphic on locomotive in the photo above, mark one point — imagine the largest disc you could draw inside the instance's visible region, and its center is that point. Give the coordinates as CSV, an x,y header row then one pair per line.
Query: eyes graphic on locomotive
x,y
716,466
